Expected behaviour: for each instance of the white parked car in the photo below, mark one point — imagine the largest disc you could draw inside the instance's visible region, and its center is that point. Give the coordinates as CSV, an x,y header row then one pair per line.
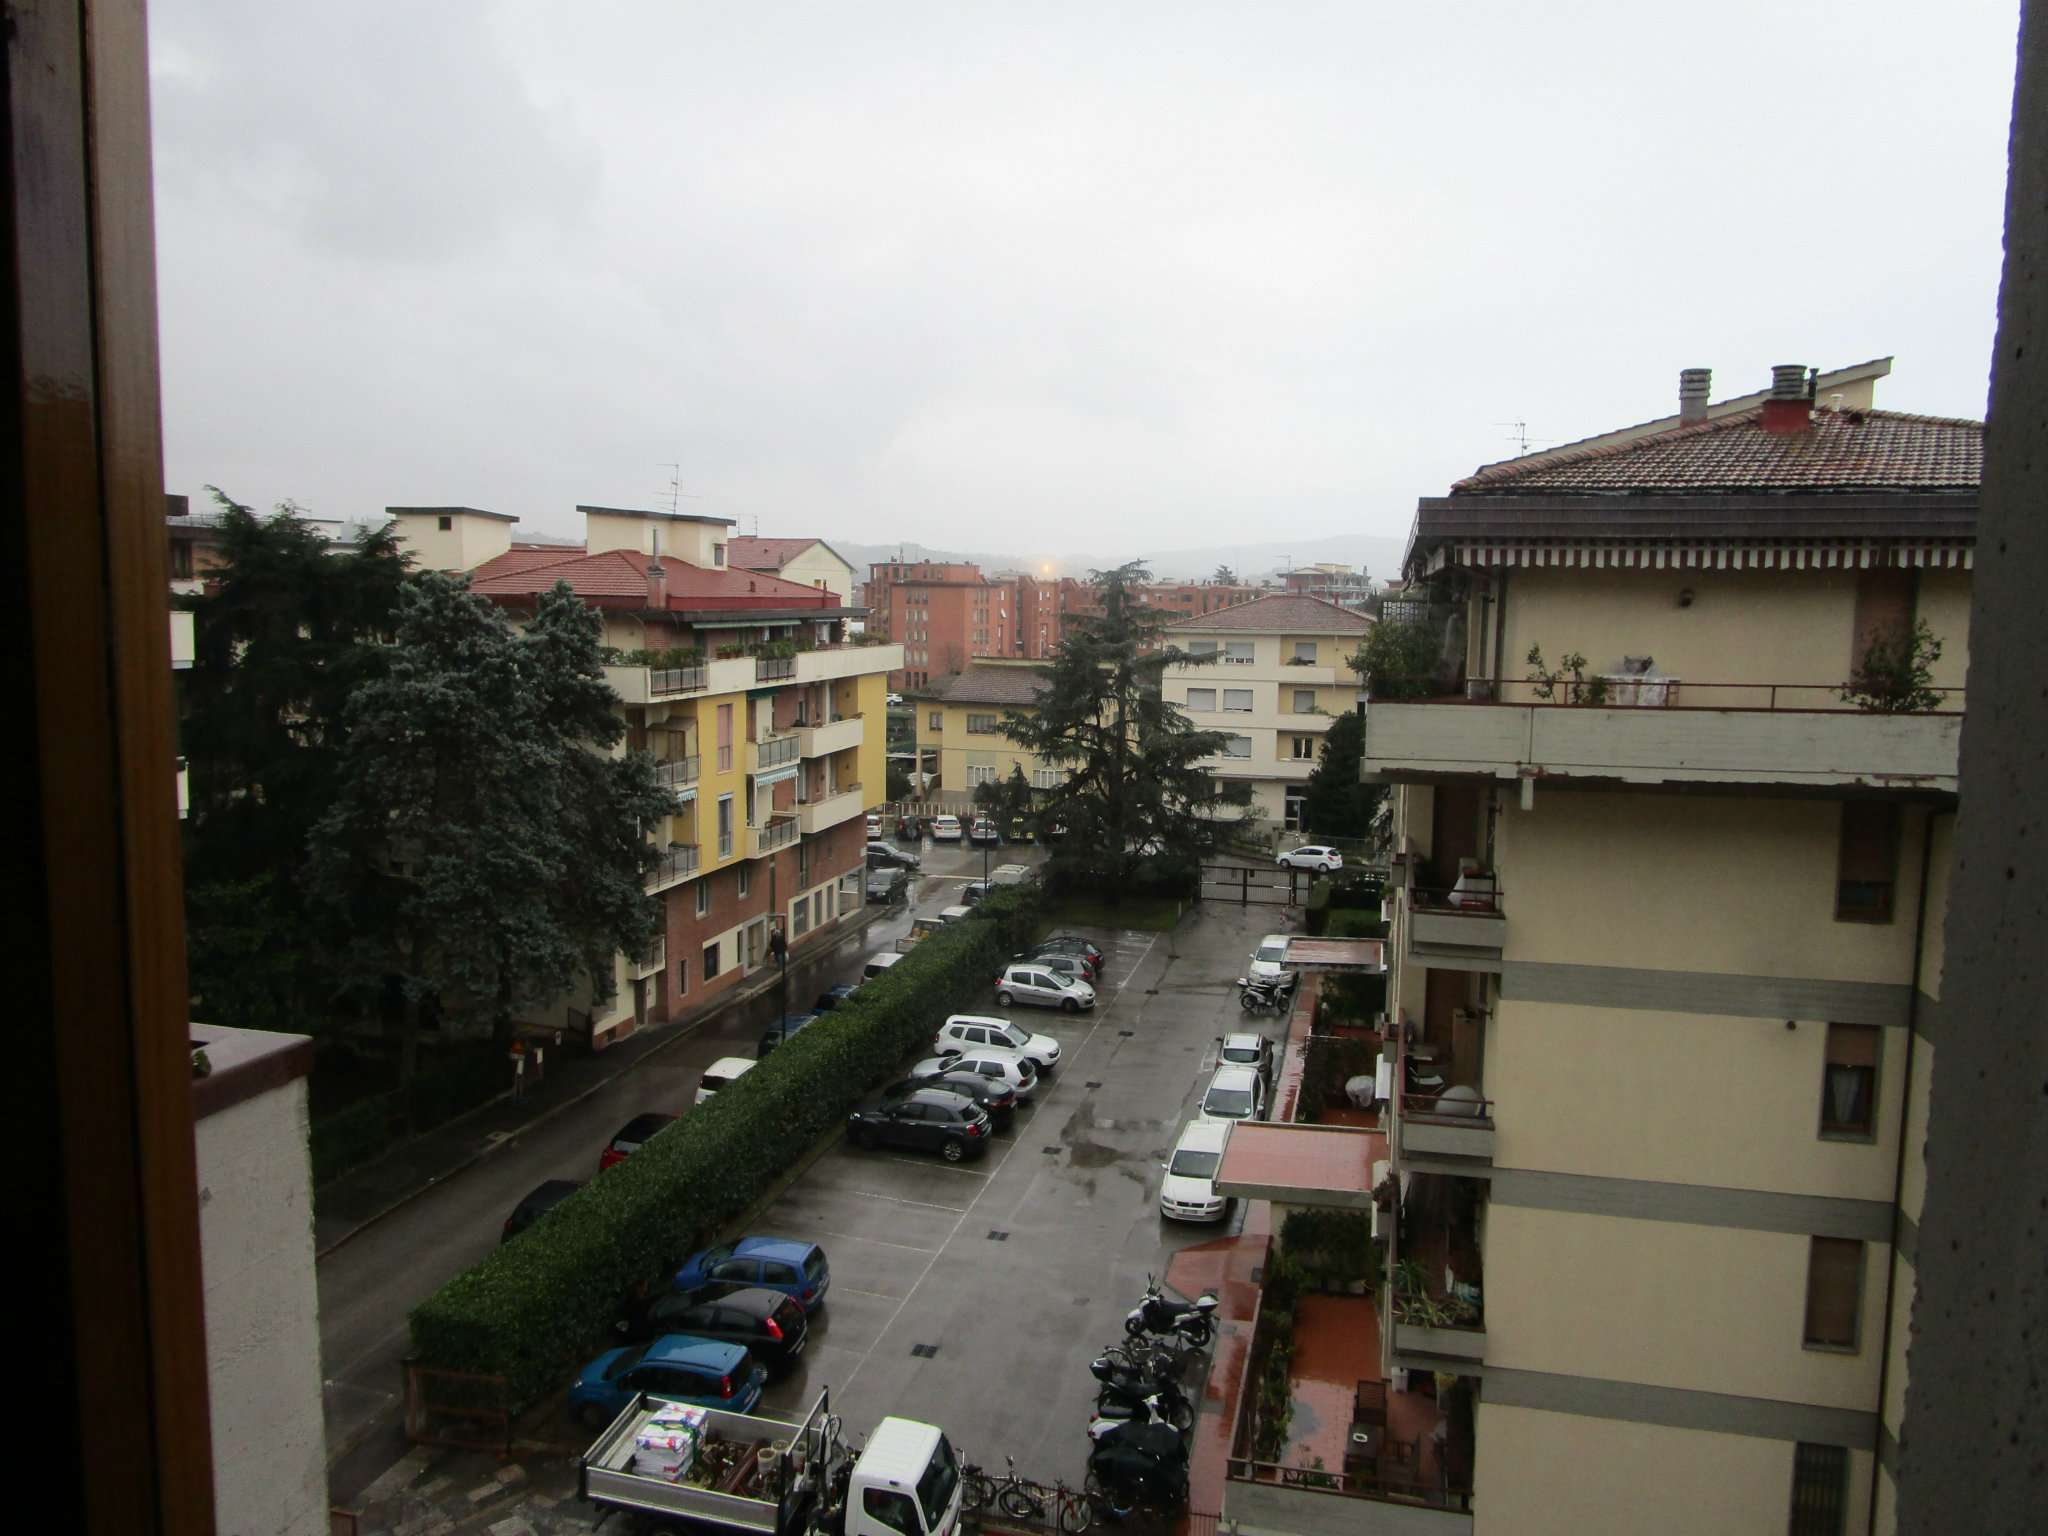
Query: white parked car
x,y
964,1031
945,829
1246,1050
878,964
720,1073
1235,1093
1314,856
1188,1192
1264,964
1043,988
998,1066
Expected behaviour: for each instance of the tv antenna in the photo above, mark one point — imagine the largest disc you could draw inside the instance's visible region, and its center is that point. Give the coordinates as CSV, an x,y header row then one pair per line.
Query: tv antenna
x,y
1520,434
676,493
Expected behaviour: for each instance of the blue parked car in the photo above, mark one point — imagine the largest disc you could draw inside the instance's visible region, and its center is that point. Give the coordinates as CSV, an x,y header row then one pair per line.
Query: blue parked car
x,y
677,1366
798,1270
828,1000
782,1030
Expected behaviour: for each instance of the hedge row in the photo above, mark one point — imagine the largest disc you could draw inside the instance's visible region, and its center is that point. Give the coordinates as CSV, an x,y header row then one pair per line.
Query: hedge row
x,y
537,1307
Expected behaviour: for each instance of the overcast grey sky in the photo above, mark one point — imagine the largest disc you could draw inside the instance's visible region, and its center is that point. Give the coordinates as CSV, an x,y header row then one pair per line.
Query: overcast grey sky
x,y
1039,278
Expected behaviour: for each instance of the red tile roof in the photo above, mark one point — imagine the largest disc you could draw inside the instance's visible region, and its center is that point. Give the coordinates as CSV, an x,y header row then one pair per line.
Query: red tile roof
x,y
751,553
524,558
1291,614
1840,451
621,575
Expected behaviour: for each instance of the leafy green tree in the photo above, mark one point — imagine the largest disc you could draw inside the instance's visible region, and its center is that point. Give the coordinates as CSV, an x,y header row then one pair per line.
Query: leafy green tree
x,y
1336,804
1016,796
1135,790
1399,661
484,849
1224,577
288,629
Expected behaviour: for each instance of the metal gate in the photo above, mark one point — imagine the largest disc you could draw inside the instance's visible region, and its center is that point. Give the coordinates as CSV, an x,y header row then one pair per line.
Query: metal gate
x,y
1247,885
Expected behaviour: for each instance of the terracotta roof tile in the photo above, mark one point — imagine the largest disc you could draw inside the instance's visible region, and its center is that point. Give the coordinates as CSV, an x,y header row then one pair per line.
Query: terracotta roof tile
x,y
518,558
622,573
1841,451
988,685
750,553
1291,614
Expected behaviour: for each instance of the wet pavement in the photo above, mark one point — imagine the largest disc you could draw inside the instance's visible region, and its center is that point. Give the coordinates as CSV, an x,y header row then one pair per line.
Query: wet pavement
x,y
971,1296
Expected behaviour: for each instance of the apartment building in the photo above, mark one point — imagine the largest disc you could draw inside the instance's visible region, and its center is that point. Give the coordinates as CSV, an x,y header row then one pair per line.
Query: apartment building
x,y
765,723
960,727
1280,676
1666,976
807,562
943,615
1330,581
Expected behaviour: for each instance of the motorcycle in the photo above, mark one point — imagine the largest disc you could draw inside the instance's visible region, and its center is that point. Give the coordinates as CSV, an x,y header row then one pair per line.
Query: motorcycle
x,y
1136,1467
1133,1396
1155,1314
1114,1416
1261,993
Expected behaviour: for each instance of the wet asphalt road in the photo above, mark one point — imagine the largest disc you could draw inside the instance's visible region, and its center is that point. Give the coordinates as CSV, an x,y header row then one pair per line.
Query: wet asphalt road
x,y
1014,1319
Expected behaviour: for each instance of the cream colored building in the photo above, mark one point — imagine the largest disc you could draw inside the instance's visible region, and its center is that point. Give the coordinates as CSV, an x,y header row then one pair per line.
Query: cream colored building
x,y
1280,677
773,759
807,562
1666,957
960,728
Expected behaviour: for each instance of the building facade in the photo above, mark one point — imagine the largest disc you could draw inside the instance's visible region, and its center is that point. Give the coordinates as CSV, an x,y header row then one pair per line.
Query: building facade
x,y
1333,583
1280,676
765,723
960,729
1666,967
807,562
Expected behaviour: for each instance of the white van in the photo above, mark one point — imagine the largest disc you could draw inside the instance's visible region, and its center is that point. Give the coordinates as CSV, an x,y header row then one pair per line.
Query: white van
x,y
1188,1192
721,1072
878,964
954,914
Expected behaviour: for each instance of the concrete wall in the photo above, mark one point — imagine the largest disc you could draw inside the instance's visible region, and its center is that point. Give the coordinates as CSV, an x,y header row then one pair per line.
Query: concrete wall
x,y
819,567
1742,885
959,749
262,1316
1670,1304
686,539
1541,1473
467,544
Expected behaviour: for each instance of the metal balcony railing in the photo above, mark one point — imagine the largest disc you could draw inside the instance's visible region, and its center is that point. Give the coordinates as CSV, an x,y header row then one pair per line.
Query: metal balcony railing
x,y
677,771
666,680
779,833
771,669
676,861
774,751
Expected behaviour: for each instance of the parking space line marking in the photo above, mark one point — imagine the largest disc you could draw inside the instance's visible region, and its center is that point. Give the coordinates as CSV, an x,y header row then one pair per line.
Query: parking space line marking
x,y
851,1291
867,1194
948,1167
878,1241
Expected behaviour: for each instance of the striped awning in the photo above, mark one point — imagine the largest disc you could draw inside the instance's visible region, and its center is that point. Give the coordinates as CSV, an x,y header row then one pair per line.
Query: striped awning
x,y
1658,555
777,775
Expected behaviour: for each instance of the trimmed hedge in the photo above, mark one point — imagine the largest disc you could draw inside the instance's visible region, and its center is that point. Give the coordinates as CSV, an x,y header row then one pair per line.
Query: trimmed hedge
x,y
538,1307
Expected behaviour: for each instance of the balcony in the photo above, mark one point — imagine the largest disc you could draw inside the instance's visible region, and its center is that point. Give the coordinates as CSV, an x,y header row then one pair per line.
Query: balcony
x,y
1313,722
649,961
678,772
642,685
774,669
1464,928
834,736
678,862
778,832
1431,1292
768,752
1342,1451
843,804
1737,733
829,662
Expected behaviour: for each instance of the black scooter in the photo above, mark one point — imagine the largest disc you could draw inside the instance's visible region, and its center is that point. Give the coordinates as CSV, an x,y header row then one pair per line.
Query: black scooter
x,y
1155,1314
1263,992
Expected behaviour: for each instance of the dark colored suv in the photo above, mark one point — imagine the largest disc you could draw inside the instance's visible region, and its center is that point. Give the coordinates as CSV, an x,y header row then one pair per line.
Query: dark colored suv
x,y
926,1119
767,1322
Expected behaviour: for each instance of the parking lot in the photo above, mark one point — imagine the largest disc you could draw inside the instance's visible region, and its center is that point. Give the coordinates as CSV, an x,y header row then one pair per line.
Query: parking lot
x,y
974,1295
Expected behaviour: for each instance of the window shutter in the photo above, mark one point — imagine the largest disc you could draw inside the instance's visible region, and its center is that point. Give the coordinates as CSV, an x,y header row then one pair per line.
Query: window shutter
x,y
1834,1281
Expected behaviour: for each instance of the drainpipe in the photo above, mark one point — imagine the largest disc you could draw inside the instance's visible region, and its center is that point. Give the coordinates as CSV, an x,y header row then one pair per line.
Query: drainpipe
x,y
1891,1274
1500,625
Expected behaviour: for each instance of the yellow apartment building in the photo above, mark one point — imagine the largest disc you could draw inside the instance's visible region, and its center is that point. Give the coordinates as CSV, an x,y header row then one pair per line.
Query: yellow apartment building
x,y
1280,677
960,727
1666,969
765,723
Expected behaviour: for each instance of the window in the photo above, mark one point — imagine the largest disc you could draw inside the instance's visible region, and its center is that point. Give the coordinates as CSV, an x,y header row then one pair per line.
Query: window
x,y
1304,749
1047,778
447,523
1304,701
746,880
938,720
725,742
800,918
725,819
979,775
1201,698
718,554
1820,1490
1848,1096
1237,746
703,898
1304,650
1867,863
1237,701
682,977
981,725
711,960
1237,653
1834,1292
1201,647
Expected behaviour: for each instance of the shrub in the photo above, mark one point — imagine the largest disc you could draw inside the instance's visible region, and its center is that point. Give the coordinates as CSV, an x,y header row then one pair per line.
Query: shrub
x,y
1328,1063
1334,1248
1896,675
535,1307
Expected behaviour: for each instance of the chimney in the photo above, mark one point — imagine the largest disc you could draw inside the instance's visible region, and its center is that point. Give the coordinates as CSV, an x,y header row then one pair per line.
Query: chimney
x,y
1788,409
1694,384
657,578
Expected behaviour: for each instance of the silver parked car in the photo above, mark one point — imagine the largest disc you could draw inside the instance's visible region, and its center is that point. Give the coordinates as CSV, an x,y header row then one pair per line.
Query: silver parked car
x,y
1042,988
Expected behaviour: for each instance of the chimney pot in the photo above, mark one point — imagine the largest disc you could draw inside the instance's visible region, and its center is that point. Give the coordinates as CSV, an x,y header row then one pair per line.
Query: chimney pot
x,y
1788,381
1788,409
1694,385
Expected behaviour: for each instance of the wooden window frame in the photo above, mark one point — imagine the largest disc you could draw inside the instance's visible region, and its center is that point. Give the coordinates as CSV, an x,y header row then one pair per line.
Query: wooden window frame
x,y
1874,1036
1816,1246
1856,866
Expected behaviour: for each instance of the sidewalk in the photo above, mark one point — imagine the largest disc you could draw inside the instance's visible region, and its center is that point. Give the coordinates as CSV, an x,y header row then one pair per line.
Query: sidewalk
x,y
360,1197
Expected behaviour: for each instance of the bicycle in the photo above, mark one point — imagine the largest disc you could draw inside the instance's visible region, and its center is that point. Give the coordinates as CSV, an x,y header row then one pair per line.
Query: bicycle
x,y
1021,1500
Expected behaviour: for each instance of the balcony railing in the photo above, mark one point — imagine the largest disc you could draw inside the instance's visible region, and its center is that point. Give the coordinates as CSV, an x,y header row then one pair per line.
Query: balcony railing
x,y
842,804
775,751
651,959
677,862
662,681
774,669
676,772
778,833
823,737
1615,690
1462,928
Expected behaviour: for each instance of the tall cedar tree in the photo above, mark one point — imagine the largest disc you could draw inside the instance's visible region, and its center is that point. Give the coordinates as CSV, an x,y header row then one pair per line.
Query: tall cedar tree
x,y
1336,804
1134,792
485,850
287,630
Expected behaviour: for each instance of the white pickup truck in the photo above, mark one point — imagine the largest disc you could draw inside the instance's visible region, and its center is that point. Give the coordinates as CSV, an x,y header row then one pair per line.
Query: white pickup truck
x,y
752,1475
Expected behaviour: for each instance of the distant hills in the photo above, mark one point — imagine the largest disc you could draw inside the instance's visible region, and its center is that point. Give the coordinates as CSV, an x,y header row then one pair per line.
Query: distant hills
x,y
1249,561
